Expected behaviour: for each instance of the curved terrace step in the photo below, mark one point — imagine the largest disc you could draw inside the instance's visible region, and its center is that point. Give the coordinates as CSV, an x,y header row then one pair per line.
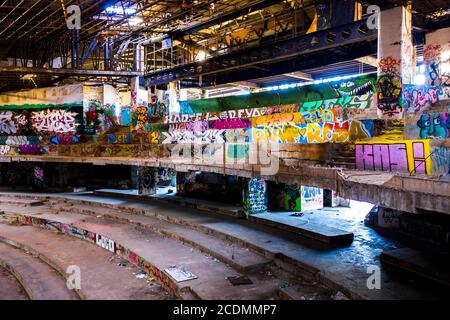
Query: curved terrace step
x,y
39,280
103,275
10,287
154,254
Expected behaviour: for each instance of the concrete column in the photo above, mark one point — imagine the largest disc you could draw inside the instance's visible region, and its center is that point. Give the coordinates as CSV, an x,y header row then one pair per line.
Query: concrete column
x,y
396,61
134,88
174,97
436,58
255,196
38,176
147,178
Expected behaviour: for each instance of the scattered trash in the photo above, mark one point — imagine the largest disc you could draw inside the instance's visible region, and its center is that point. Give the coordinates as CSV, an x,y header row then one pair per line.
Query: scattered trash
x,y
285,285
297,214
240,280
340,296
141,275
180,274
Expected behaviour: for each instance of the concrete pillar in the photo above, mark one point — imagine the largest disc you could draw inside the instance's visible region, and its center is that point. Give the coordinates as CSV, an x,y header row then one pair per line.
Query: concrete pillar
x,y
255,196
185,182
147,178
134,88
38,176
436,58
174,97
396,61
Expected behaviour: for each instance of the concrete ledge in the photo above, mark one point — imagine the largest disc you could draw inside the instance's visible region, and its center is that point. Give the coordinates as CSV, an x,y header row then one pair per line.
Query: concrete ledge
x,y
314,231
426,265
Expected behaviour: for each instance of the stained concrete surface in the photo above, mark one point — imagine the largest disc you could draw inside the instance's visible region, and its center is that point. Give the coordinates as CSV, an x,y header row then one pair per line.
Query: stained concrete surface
x,y
102,275
342,266
10,288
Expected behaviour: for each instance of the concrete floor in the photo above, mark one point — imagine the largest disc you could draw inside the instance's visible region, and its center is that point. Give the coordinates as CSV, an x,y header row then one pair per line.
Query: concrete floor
x,y
346,267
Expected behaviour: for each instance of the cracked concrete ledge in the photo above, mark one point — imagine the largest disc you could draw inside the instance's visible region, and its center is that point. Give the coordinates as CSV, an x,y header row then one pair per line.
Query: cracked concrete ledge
x,y
39,256
347,183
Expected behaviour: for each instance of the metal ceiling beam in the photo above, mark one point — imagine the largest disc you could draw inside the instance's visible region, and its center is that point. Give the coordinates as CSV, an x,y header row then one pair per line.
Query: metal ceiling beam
x,y
225,17
311,60
283,50
71,72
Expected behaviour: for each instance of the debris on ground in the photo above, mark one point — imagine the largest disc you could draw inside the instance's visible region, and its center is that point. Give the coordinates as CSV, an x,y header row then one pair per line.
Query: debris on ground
x,y
340,296
141,275
240,280
180,274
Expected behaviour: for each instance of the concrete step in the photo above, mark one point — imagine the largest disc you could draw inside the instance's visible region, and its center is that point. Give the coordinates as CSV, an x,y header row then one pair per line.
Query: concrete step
x,y
103,275
10,288
236,256
21,201
426,265
154,254
40,281
319,232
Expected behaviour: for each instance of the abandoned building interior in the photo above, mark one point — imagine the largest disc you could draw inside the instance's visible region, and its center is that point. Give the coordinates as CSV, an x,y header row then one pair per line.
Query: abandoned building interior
x,y
224,150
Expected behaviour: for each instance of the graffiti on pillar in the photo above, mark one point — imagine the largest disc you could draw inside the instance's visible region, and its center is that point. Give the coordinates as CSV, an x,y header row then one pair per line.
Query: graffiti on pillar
x,y
312,198
437,67
158,108
255,197
147,180
139,118
293,197
404,156
389,87
420,98
54,121
38,176
436,125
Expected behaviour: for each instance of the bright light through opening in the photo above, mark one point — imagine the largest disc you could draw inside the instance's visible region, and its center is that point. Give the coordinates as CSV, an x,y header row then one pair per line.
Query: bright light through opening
x,y
201,56
119,10
135,21
419,79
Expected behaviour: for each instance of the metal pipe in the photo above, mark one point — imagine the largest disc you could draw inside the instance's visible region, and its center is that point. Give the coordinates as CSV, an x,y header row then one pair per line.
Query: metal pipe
x,y
14,9
42,21
28,10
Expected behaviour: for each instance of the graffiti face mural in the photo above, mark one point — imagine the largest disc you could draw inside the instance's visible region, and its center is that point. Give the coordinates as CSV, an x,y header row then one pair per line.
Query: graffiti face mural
x,y
355,87
434,125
